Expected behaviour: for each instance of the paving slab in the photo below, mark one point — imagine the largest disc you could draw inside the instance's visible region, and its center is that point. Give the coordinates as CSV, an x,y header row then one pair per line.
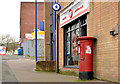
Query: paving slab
x,y
23,70
7,74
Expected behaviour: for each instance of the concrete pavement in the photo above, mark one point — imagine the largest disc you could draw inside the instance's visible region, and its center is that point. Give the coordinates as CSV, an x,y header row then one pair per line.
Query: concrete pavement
x,y
7,74
25,72
20,69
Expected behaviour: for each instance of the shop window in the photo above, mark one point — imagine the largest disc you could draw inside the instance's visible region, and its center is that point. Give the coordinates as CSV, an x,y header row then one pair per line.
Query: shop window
x,y
72,31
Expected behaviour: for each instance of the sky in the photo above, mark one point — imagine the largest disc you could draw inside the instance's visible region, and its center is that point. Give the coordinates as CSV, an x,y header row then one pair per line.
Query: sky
x,y
10,17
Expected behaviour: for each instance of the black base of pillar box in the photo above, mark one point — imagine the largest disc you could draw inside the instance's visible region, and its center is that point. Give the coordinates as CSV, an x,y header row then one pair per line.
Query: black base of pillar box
x,y
86,75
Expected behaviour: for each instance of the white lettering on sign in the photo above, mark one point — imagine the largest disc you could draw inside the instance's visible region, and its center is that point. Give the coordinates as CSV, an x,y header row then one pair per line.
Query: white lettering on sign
x,y
88,50
72,12
79,50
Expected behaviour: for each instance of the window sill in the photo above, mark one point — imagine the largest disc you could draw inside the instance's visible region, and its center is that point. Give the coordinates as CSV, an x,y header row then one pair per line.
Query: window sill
x,y
76,67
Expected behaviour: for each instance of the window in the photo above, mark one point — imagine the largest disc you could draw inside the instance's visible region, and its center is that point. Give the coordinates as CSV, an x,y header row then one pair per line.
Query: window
x,y
72,31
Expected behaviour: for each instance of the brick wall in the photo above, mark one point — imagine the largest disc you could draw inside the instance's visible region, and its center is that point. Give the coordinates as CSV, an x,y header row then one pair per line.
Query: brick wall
x,y
27,17
119,44
47,31
100,21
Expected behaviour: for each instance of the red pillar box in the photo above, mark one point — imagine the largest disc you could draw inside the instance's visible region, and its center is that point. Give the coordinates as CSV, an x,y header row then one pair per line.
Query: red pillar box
x,y
85,50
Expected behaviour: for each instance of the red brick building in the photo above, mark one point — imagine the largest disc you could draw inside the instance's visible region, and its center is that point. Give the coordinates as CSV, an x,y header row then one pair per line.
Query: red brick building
x,y
27,22
97,20
94,19
27,17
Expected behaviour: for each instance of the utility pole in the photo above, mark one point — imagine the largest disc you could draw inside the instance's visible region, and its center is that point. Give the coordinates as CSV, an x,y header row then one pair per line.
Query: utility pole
x,y
36,30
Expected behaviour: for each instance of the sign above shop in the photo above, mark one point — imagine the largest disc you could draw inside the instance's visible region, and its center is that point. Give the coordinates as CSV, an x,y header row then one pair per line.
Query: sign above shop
x,y
56,7
73,11
70,13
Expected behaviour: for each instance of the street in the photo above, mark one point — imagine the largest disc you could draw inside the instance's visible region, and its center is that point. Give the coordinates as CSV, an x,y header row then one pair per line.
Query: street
x,y
21,69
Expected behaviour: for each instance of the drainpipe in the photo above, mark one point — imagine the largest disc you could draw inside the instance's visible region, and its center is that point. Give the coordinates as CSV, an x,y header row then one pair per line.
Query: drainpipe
x,y
57,44
57,41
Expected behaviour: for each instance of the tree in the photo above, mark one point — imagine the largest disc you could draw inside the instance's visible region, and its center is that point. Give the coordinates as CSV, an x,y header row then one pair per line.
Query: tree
x,y
9,42
12,46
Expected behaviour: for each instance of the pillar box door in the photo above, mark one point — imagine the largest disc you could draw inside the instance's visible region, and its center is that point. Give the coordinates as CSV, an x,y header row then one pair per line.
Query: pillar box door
x,y
85,57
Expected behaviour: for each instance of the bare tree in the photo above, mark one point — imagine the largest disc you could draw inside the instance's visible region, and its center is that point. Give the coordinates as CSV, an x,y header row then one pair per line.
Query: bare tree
x,y
9,42
2,39
13,45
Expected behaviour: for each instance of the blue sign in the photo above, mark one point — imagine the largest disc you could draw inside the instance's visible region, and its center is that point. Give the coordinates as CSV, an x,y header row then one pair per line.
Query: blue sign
x,y
41,25
56,7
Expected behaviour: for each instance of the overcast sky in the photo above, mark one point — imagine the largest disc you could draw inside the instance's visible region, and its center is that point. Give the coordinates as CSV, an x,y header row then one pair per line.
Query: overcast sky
x,y
10,16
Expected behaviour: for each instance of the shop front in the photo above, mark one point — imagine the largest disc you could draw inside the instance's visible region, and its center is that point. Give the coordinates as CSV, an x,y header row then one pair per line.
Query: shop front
x,y
72,31
94,19
73,23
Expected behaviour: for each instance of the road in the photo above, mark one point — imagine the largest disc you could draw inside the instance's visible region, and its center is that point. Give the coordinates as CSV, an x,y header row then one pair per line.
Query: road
x,y
21,69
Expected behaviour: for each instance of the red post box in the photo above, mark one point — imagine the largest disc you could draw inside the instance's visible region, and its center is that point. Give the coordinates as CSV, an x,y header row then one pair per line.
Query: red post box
x,y
85,50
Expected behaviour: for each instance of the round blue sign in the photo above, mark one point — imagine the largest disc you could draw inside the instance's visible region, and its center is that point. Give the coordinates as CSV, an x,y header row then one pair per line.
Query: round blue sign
x,y
56,7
